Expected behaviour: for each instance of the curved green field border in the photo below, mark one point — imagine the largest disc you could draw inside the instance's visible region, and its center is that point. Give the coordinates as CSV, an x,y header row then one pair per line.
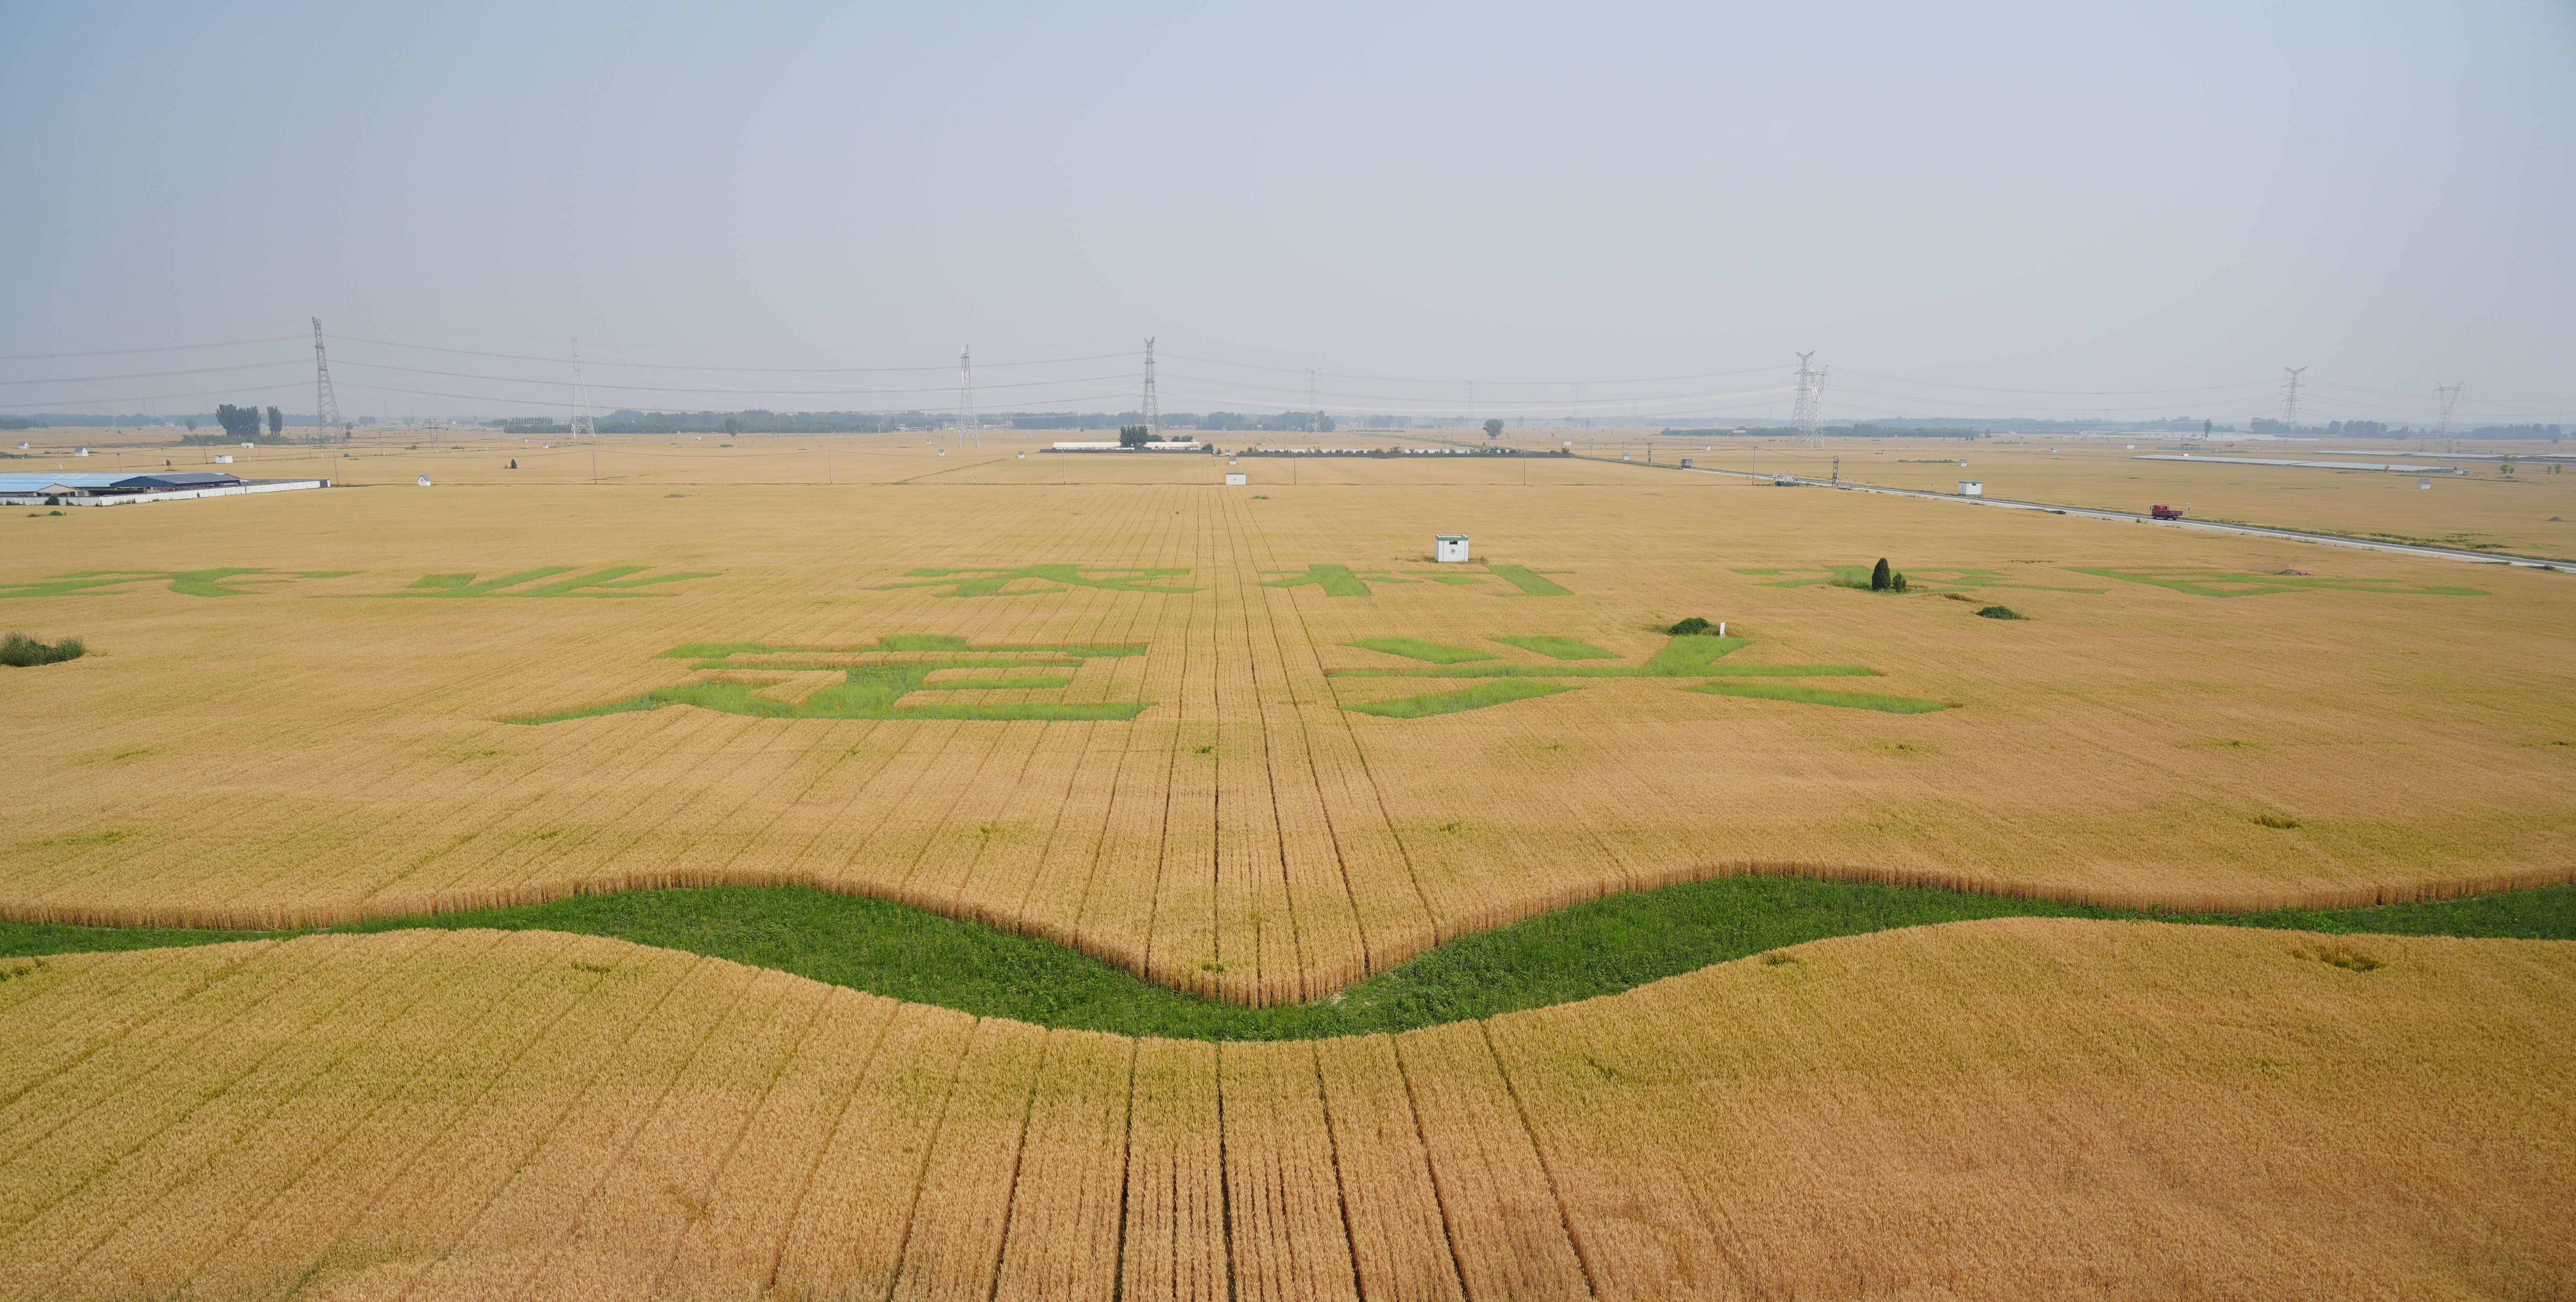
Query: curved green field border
x,y
1600,947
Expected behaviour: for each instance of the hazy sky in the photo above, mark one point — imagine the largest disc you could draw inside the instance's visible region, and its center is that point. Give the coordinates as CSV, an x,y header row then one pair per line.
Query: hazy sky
x,y
2024,199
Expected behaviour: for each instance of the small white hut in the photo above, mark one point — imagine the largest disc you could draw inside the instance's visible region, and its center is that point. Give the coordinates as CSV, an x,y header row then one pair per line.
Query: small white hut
x,y
1972,488
1449,548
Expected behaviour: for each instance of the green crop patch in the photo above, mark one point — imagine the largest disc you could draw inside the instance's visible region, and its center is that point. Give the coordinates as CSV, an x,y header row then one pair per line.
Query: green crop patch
x,y
874,681
225,581
1530,582
1559,648
1335,580
2237,583
1343,581
1692,655
1417,649
609,582
1599,947
1819,696
1498,692
1929,582
1029,580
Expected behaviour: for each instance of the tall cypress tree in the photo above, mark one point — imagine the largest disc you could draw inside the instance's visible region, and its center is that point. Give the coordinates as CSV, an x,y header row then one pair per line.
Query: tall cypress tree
x,y
1879,577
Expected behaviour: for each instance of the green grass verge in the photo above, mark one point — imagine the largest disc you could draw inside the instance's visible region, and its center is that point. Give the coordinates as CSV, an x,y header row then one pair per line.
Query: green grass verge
x,y
1499,692
1819,696
1559,648
1417,649
1599,947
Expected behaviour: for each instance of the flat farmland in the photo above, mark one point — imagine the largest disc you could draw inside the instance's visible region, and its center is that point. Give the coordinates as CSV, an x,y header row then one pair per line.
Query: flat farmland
x,y
2026,1108
1120,715
2483,509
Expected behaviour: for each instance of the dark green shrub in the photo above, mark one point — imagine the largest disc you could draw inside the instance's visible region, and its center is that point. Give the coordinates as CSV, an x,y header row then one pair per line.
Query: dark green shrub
x,y
2000,612
1896,582
20,651
1694,624
1879,576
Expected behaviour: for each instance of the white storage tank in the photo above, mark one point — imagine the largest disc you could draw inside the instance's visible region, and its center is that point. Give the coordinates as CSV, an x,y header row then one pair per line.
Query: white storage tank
x,y
1449,548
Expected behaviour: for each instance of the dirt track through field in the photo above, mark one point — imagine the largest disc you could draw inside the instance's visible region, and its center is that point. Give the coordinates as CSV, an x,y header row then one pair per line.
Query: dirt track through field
x,y
2029,1108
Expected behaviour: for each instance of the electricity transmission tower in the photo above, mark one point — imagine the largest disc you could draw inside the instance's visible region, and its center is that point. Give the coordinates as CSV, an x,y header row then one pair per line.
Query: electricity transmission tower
x,y
1153,412
326,404
581,427
1811,392
2290,397
2449,394
967,426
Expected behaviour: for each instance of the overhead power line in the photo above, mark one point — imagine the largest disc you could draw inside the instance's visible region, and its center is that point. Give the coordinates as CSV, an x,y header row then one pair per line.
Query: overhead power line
x,y
152,375
165,348
740,370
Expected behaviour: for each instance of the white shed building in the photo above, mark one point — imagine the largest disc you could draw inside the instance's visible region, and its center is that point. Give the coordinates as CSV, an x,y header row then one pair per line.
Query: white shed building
x,y
1972,488
1449,548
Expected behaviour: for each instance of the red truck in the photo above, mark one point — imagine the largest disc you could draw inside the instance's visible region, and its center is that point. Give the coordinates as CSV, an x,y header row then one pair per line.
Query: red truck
x,y
2164,512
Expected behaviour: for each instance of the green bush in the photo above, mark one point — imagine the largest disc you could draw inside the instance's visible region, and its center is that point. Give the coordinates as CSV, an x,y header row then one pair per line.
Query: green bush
x,y
1689,626
1879,576
20,651
2000,612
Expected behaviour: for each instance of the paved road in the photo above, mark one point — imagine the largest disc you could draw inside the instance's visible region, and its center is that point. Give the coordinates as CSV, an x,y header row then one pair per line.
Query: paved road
x,y
2250,530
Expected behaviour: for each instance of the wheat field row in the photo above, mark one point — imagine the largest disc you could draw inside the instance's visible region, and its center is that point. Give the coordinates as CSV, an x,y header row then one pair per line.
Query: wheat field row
x,y
2022,1108
322,737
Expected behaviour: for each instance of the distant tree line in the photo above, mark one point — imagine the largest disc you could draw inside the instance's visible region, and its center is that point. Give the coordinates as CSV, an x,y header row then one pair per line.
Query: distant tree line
x,y
2339,429
1305,422
1863,431
243,425
758,421
2372,429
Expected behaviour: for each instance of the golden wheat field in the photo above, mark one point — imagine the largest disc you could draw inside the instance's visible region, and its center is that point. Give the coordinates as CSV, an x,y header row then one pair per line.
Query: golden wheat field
x,y
1196,730
1252,742
2028,1108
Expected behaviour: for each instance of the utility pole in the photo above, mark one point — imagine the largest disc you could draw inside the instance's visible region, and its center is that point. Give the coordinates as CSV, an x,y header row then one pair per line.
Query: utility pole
x,y
1153,413
2448,395
581,427
326,404
966,424
2290,397
1811,389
